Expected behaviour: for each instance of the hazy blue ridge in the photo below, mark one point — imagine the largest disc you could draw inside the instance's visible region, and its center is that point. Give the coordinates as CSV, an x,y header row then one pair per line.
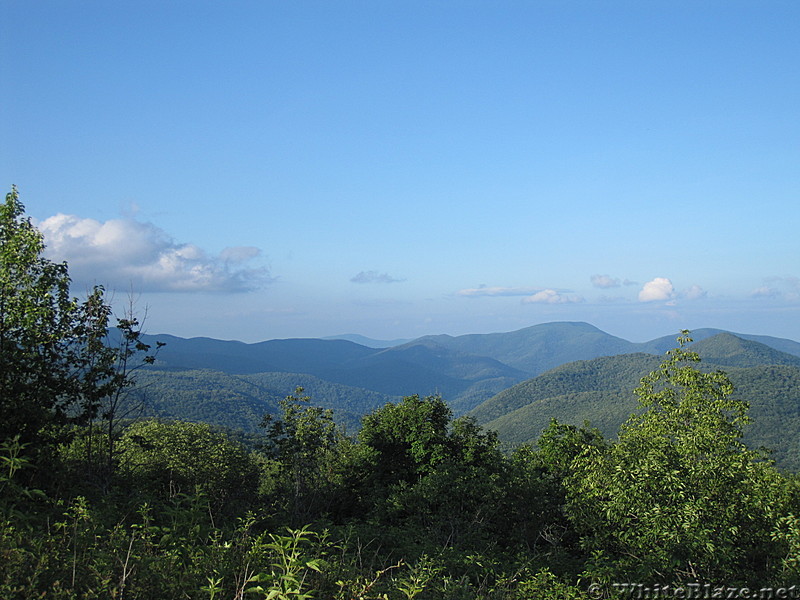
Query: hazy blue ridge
x,y
538,348
366,341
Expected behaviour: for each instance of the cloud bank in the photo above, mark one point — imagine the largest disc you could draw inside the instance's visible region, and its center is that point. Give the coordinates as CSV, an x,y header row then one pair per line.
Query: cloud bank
x,y
695,292
531,295
781,288
497,291
373,277
605,281
126,253
550,296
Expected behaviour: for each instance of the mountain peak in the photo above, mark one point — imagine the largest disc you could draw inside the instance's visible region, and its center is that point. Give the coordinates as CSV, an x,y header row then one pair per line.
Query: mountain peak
x,y
730,350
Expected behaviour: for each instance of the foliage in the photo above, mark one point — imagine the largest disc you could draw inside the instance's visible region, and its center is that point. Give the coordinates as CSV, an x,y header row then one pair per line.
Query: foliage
x,y
600,391
409,438
678,497
287,575
38,322
315,461
16,500
161,460
57,364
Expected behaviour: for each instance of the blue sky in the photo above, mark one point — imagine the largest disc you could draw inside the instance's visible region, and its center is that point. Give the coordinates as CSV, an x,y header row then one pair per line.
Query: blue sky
x,y
258,170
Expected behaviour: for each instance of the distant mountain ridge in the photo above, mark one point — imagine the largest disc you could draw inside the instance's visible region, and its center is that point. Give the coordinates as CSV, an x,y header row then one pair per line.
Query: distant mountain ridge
x,y
503,379
537,348
664,343
532,350
366,341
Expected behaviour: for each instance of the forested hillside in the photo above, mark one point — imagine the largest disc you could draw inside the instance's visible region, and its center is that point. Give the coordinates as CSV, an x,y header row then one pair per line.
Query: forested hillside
x,y
240,401
97,502
426,368
467,370
600,391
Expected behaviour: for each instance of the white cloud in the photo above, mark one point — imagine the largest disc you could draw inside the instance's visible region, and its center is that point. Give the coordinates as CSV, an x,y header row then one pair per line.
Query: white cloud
x,y
531,295
373,277
127,253
497,291
604,281
765,292
784,288
659,288
694,292
550,296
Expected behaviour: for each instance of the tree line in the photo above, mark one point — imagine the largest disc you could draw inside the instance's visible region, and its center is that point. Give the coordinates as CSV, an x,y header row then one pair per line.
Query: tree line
x,y
96,503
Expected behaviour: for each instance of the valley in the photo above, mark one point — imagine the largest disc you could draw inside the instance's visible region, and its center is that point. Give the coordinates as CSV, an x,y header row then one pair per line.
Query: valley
x,y
514,383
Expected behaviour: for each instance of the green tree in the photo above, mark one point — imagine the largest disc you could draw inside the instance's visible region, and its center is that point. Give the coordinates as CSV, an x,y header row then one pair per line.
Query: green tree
x,y
38,383
678,497
315,460
165,459
58,364
533,511
456,503
435,479
409,439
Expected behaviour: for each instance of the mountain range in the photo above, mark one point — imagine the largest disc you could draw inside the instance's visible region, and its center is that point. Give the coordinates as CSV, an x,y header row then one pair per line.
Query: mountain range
x,y
600,392
512,382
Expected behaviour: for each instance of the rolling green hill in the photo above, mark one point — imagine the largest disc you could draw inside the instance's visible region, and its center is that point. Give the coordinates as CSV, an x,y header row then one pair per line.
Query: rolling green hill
x,y
728,350
662,344
423,368
608,373
601,391
241,401
581,373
